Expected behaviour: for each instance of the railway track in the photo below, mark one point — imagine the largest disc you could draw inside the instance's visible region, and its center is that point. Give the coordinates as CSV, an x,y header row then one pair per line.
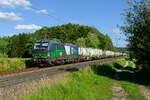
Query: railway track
x,y
19,78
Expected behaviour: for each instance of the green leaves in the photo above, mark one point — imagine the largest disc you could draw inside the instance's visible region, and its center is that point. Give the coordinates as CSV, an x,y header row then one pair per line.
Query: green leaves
x,y
137,28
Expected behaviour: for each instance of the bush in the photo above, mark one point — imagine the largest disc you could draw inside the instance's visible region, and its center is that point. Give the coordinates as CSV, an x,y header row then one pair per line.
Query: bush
x,y
7,64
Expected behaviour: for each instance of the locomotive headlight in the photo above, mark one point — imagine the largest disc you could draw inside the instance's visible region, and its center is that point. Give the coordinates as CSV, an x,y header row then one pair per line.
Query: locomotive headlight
x,y
34,60
48,54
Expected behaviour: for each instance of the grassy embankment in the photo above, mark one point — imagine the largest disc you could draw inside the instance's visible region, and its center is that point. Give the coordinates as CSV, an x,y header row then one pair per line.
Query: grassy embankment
x,y
91,84
83,85
7,64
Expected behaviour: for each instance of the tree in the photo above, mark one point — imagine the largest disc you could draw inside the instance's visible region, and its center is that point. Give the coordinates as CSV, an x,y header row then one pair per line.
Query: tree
x,y
3,46
81,42
21,45
137,29
92,41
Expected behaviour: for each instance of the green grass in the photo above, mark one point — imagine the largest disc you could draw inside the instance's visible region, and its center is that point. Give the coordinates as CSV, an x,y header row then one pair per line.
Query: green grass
x,y
121,62
118,64
82,85
130,64
132,90
148,87
7,64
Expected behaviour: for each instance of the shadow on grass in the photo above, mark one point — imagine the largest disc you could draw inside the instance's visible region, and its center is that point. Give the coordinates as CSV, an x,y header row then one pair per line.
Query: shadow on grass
x,y
143,77
129,69
117,66
127,74
105,70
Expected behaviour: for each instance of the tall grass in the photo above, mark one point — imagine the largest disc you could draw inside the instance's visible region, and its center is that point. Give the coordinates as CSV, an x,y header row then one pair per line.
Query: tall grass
x,y
82,85
7,64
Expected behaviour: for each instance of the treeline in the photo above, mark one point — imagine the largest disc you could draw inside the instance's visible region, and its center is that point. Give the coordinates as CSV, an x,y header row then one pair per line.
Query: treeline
x,y
137,29
86,36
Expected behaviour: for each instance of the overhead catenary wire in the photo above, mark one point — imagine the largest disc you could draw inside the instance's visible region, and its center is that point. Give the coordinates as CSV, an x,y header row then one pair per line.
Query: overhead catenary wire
x,y
50,15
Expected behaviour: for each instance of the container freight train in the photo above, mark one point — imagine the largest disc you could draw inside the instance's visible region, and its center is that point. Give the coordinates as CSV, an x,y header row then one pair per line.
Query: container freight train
x,y
50,52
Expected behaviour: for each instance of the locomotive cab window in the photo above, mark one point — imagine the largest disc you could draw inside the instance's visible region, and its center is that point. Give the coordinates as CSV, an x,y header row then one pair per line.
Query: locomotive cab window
x,y
45,44
36,45
40,45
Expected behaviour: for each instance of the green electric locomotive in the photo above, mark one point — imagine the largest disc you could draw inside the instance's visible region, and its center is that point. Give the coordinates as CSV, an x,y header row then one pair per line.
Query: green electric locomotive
x,y
51,52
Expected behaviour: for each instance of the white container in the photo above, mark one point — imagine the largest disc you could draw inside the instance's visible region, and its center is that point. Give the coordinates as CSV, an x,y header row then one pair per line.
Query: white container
x,y
96,52
88,51
80,51
108,53
101,52
92,52
84,51
67,48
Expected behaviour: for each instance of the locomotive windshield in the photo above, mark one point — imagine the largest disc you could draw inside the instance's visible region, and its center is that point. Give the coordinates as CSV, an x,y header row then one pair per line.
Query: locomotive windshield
x,y
42,45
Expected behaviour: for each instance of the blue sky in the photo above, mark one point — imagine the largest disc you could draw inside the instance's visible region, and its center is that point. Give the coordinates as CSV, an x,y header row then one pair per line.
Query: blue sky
x,y
17,16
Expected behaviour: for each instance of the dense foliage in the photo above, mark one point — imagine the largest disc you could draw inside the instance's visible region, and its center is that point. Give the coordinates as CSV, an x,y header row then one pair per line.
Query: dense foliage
x,y
86,36
137,28
122,49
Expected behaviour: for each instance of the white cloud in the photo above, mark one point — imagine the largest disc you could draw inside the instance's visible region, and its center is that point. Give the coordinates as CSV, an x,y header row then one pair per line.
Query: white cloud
x,y
28,27
116,31
9,17
14,3
43,11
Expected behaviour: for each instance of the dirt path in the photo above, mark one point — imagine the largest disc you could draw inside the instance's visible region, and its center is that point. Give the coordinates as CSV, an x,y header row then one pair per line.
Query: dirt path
x,y
118,92
126,64
145,91
133,65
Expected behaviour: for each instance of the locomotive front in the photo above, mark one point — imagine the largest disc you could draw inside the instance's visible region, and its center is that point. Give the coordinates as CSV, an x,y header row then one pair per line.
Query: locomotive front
x,y
40,51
